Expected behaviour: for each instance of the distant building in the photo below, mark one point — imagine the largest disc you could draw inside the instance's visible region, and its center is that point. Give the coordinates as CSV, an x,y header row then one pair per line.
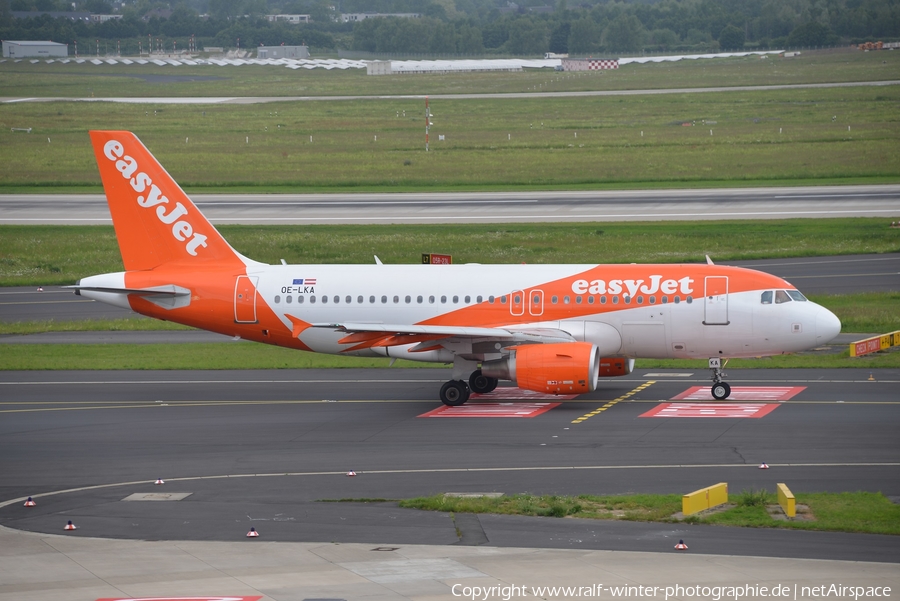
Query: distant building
x,y
353,17
71,15
378,68
292,19
34,50
105,18
282,52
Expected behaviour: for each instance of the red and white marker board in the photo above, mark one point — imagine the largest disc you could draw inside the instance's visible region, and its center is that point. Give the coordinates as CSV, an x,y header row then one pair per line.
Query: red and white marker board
x,y
200,598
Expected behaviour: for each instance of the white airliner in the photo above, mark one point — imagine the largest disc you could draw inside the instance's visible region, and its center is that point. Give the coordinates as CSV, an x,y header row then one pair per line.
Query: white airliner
x,y
549,328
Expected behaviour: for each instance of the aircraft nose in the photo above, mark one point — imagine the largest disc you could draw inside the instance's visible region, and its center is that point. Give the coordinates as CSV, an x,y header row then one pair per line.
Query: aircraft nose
x,y
827,326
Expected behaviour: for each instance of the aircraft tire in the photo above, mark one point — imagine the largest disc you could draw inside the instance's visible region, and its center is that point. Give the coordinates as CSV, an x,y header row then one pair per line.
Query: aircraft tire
x,y
721,391
480,383
454,393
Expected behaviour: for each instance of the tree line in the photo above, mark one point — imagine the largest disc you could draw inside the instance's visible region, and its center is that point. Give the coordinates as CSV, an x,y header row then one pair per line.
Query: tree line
x,y
470,27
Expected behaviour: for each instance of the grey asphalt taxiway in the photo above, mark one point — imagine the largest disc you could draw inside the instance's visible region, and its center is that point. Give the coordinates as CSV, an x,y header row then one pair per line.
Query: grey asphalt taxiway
x,y
267,449
485,207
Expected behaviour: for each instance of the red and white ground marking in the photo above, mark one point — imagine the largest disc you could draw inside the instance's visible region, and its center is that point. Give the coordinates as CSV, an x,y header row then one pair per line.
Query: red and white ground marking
x,y
511,393
216,598
743,393
492,410
732,410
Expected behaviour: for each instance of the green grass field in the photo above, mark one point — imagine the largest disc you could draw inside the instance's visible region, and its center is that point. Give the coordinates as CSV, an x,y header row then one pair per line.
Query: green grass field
x,y
842,512
758,137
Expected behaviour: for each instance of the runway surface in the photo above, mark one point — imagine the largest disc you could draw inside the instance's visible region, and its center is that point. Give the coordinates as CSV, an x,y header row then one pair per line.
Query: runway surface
x,y
482,207
264,449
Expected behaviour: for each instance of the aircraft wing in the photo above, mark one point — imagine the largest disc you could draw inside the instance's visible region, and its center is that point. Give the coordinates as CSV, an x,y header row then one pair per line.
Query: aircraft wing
x,y
383,334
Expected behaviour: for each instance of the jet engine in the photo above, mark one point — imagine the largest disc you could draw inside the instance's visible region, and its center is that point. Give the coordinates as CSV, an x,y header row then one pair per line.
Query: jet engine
x,y
561,368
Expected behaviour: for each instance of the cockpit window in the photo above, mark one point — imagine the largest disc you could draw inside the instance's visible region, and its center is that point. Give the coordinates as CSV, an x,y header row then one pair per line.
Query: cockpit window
x,y
766,297
796,295
781,297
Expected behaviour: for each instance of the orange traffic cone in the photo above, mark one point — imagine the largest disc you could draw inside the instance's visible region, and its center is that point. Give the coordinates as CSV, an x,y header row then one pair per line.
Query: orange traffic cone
x,y
351,473
30,502
763,466
159,481
253,533
681,546
69,526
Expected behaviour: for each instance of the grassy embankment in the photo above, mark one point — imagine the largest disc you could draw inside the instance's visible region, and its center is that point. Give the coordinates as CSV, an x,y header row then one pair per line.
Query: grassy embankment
x,y
758,138
843,512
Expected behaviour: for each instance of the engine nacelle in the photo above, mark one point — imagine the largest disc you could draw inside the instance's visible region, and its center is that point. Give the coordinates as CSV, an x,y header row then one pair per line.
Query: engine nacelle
x,y
611,367
562,368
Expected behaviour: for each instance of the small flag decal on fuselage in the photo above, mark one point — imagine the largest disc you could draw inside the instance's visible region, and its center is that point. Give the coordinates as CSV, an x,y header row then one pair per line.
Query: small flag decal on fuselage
x,y
304,282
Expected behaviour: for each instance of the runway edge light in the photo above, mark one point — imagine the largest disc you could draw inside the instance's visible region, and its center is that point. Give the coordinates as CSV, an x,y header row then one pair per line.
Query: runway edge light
x,y
253,533
681,546
30,502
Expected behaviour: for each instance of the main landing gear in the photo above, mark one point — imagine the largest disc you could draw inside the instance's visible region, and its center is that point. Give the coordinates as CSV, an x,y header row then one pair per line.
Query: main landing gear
x,y
455,392
720,390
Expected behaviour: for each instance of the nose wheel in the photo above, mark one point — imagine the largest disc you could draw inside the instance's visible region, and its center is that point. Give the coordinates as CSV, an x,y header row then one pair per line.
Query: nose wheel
x,y
720,389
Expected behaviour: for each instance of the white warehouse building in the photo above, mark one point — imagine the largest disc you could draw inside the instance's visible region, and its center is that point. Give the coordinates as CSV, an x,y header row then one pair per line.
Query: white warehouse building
x,y
29,49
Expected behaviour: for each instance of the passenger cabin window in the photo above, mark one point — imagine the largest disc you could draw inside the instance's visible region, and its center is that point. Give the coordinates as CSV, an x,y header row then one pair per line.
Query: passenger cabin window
x,y
359,299
796,295
766,298
277,300
781,297
479,298
419,299
348,299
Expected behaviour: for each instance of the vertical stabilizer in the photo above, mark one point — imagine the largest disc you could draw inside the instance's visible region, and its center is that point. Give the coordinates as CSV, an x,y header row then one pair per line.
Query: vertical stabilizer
x,y
155,221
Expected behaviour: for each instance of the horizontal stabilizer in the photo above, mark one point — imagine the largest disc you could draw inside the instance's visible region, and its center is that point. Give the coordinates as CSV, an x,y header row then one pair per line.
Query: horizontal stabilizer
x,y
167,296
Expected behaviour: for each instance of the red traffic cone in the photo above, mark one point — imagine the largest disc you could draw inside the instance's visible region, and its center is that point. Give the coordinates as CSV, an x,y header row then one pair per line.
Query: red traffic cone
x,y
681,546
253,533
763,466
159,481
30,502
69,526
40,289
351,473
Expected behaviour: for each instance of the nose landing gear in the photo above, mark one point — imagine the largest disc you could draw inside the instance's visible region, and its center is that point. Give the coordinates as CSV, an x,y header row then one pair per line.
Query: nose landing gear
x,y
720,389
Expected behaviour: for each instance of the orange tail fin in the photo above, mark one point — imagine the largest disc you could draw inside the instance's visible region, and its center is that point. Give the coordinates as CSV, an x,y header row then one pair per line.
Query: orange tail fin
x,y
155,221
